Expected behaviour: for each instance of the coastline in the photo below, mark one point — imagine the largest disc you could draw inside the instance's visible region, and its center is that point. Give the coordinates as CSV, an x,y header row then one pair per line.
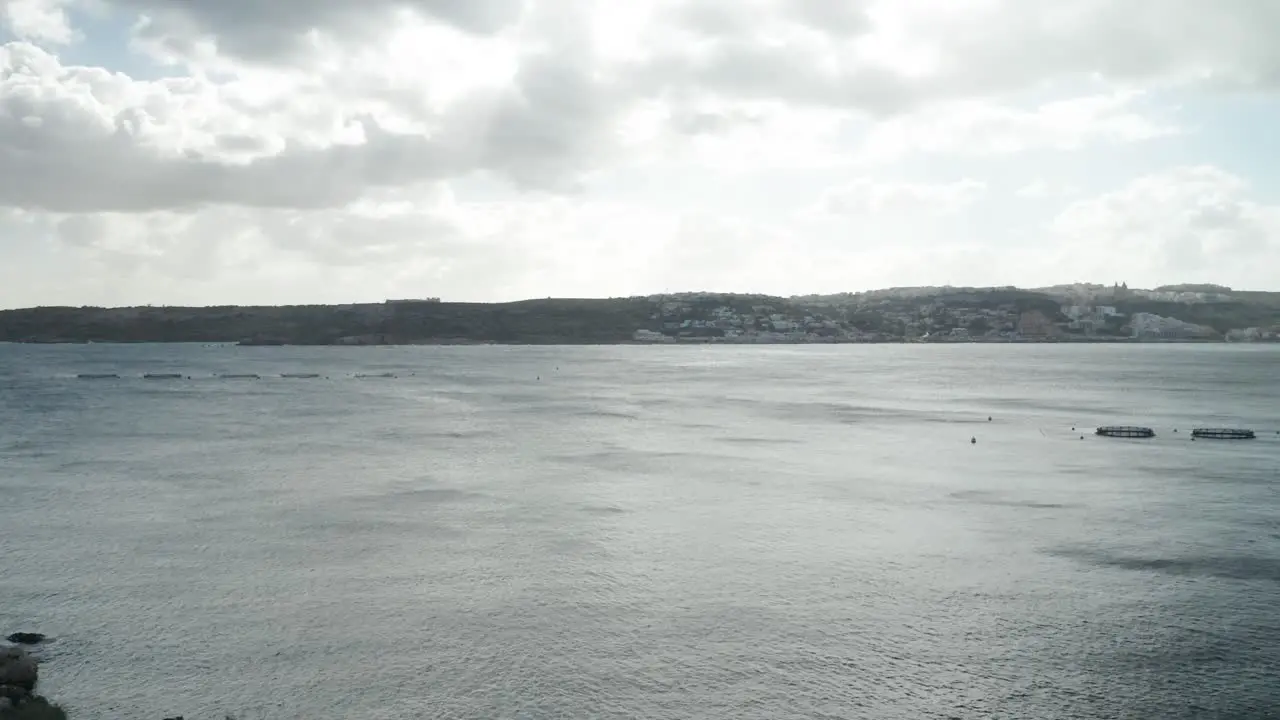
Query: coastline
x,y
945,316
449,342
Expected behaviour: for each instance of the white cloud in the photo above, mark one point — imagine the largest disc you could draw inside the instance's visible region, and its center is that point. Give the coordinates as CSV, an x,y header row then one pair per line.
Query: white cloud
x,y
1040,188
867,196
84,139
38,20
986,46
287,30
733,137
982,128
1190,222
877,52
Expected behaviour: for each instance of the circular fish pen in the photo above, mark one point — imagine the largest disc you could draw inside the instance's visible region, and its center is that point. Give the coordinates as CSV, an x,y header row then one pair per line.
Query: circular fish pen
x,y
1223,434
1125,431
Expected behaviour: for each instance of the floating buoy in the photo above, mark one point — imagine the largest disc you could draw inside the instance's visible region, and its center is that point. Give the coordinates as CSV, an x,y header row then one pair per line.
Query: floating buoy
x,y
973,441
988,418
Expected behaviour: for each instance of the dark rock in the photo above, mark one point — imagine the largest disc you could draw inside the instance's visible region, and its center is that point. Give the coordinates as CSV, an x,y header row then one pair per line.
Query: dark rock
x,y
17,667
26,638
31,708
14,693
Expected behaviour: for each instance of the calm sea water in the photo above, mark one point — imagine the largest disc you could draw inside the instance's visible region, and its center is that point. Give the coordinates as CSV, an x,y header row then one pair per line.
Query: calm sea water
x,y
644,532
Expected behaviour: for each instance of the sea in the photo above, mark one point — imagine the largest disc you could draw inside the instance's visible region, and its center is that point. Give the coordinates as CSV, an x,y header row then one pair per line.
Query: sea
x,y
487,532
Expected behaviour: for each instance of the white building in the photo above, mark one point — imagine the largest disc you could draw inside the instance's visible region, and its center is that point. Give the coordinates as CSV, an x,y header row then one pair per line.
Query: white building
x,y
1252,334
1157,327
651,336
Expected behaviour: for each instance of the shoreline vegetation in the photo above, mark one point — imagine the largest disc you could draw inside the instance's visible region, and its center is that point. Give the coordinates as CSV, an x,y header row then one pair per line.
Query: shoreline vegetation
x,y
1079,313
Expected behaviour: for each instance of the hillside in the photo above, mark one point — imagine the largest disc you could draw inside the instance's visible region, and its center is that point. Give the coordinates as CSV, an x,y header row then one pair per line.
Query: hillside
x,y
533,321
897,313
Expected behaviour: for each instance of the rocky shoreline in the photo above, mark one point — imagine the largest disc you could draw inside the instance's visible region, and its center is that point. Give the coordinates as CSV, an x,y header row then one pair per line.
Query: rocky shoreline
x,y
19,675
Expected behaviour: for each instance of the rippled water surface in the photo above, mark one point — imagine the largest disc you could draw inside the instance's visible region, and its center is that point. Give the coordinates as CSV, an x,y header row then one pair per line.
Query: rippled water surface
x,y
644,532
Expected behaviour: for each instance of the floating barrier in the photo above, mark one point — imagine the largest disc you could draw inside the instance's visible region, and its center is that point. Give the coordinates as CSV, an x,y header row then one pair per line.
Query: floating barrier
x,y
300,376
1125,431
241,376
162,376
1223,434
376,375
98,376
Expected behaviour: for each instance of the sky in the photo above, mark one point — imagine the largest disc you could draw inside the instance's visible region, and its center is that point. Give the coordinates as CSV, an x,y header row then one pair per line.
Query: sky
x,y
328,151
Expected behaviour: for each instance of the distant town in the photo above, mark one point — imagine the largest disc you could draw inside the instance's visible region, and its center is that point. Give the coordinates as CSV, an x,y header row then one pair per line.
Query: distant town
x,y
1081,313
1065,313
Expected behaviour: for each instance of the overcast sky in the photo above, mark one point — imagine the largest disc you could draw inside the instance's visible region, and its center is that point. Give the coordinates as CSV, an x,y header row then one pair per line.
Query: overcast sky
x,y
291,151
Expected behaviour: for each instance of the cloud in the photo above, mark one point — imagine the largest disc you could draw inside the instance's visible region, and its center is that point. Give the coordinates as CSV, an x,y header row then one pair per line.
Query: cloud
x,y
78,139
1189,222
982,128
1040,188
990,46
895,56
874,54
284,30
544,116
399,244
333,149
38,20
867,196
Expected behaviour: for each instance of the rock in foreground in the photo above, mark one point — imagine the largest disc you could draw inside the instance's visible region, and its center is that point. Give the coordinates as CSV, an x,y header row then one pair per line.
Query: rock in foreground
x,y
26,638
30,708
18,668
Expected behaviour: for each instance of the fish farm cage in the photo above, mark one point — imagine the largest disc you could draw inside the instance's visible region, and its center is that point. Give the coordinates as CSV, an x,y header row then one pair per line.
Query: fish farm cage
x,y
1223,434
1125,431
